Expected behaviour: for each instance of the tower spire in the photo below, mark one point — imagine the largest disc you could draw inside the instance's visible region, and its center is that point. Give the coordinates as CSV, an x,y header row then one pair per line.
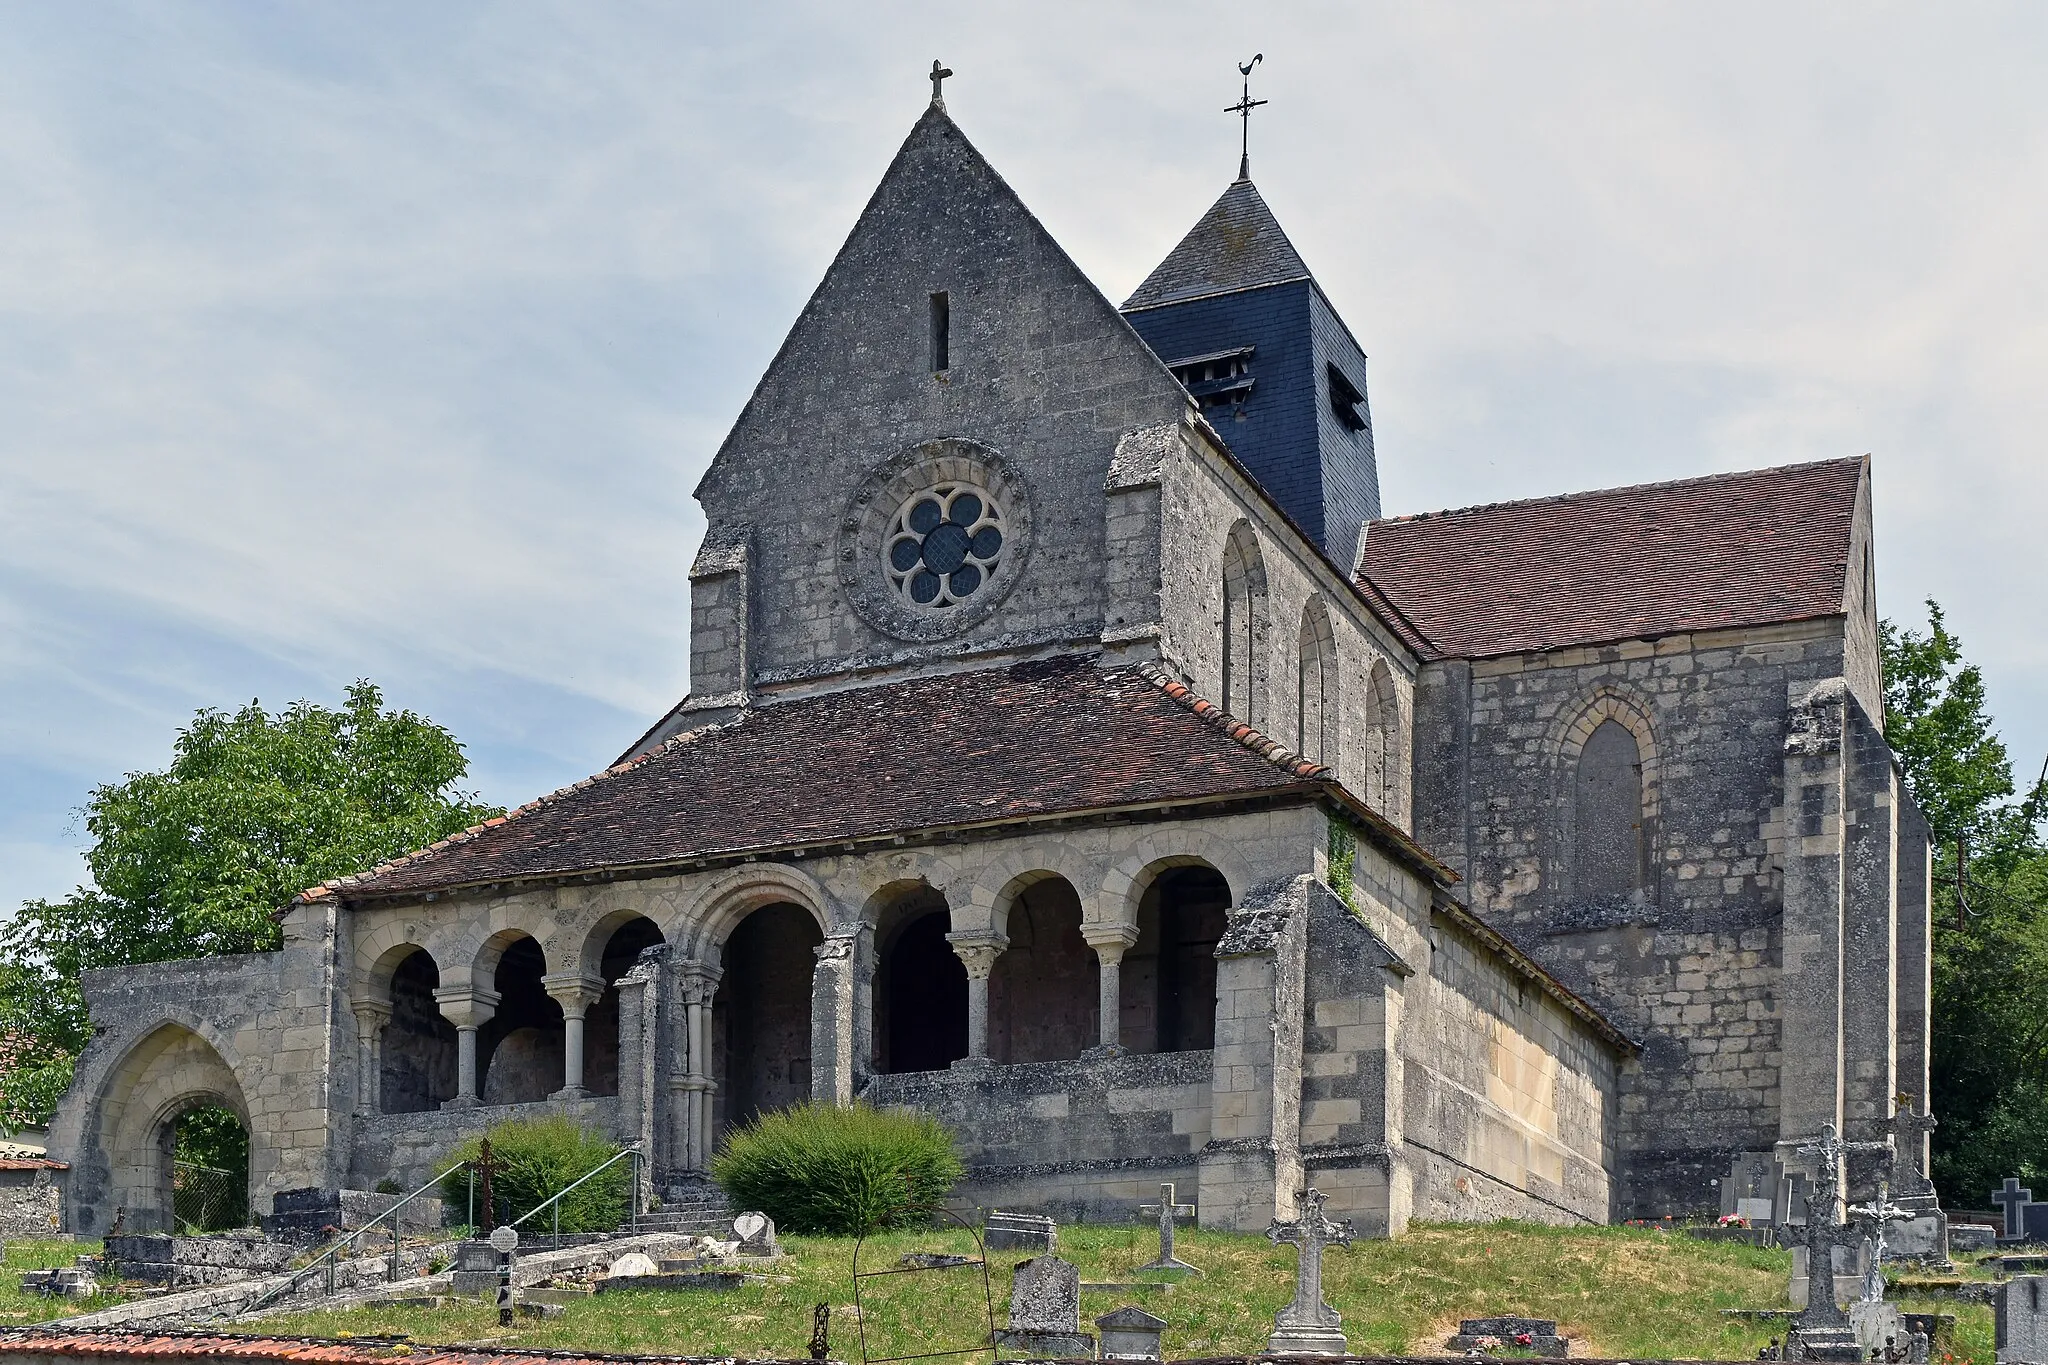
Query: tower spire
x,y
1243,109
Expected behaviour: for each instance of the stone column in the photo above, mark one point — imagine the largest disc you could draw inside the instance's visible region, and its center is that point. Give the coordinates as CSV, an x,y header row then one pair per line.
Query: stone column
x,y
692,1084
1916,944
371,1017
469,1008
977,951
1110,942
575,993
639,1027
832,1043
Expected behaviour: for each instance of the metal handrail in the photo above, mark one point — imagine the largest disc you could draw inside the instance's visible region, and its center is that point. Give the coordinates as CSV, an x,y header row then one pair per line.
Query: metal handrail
x,y
555,1200
332,1254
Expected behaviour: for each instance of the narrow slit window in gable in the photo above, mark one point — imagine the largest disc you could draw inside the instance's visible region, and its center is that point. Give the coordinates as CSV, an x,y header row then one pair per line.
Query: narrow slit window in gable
x,y
942,328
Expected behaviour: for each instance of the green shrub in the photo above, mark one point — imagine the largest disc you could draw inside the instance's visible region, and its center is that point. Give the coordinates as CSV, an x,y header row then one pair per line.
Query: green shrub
x,y
821,1168
536,1158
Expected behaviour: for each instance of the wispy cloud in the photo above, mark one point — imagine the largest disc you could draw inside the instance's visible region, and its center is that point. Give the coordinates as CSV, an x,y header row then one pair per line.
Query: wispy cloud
x,y
389,340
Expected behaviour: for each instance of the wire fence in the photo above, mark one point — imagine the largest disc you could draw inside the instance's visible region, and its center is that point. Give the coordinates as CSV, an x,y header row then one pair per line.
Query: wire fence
x,y
204,1199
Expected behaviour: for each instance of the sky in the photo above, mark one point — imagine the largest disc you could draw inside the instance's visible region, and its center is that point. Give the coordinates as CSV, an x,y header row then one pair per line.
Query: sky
x,y
389,340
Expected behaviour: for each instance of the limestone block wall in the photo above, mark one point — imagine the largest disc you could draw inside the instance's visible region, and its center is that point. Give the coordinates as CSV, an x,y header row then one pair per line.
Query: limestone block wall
x,y
1202,497
31,1204
253,1033
1085,1140
1040,369
1508,1098
409,1148
1692,963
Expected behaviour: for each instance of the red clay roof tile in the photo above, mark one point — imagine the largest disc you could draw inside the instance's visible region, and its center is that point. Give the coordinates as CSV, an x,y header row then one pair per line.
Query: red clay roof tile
x,y
1045,738
1751,548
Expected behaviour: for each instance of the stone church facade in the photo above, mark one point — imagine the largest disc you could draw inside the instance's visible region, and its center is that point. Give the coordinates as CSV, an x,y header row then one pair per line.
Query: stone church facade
x,y
1074,752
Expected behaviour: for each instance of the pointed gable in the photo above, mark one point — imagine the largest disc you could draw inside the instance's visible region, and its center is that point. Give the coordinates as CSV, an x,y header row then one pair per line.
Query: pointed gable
x,y
1237,245
949,319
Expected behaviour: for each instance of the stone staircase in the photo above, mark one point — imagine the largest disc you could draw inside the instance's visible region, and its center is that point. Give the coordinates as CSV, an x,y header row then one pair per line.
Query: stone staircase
x,y
696,1207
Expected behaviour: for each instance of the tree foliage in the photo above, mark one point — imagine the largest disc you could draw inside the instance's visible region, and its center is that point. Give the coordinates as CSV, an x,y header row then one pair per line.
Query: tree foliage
x,y
196,859
1990,1026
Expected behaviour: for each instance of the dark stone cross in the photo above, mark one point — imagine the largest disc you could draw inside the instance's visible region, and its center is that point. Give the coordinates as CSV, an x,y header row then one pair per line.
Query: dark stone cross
x,y
1909,1132
1308,1326
939,73
1167,1211
1243,109
1823,1234
2013,1200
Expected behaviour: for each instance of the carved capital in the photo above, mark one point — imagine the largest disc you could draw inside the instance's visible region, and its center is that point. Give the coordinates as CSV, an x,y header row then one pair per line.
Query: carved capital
x,y
696,982
466,1006
978,951
573,991
1110,941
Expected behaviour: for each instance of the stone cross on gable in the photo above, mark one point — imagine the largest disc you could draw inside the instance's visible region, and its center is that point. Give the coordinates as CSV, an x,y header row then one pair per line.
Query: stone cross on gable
x,y
1823,1233
1308,1326
2013,1200
1909,1134
1167,1211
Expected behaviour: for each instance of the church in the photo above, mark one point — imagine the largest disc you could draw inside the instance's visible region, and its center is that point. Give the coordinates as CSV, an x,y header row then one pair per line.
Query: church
x,y
1074,750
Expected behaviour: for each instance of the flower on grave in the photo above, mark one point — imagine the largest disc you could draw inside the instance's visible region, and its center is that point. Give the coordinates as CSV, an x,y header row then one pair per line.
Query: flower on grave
x,y
1524,1339
1732,1220
1489,1343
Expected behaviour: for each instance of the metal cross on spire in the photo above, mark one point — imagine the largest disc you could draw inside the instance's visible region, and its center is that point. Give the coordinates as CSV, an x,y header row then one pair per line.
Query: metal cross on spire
x,y
1243,109
939,73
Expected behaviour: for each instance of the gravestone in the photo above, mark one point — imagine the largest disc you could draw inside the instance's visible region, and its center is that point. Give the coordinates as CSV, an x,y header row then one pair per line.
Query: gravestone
x,y
2021,1332
1130,1334
2013,1201
1537,1335
65,1282
1972,1237
1020,1232
1308,1326
756,1234
1167,1211
1822,1329
505,1241
1755,1212
632,1265
476,1270
1923,1234
1045,1310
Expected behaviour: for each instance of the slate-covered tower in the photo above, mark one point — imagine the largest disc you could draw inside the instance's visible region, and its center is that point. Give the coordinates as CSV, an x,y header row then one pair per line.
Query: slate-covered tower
x,y
1239,319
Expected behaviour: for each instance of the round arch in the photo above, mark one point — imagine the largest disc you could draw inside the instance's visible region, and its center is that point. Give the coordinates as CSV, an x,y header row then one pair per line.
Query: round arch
x,y
1242,678
708,919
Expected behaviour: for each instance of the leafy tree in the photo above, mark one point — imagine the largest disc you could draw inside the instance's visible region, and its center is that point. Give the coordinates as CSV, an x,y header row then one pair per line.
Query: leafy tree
x,y
1990,1068
196,860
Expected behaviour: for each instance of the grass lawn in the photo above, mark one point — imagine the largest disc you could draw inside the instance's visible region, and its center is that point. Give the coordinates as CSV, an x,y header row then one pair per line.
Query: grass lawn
x,y
1618,1292
29,1253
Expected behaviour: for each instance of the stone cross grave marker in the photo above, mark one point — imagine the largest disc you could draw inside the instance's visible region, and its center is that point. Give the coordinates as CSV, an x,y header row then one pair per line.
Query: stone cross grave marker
x,y
2013,1201
1909,1129
1823,1234
1308,1326
1167,1211
1878,1212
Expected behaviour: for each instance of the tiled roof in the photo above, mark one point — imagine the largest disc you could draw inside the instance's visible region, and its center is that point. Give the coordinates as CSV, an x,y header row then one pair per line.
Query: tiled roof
x,y
957,750
143,1345
1237,245
1752,548
32,1163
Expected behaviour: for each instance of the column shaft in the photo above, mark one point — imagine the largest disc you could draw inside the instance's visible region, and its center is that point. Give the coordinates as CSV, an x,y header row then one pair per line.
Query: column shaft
x,y
465,1064
572,1051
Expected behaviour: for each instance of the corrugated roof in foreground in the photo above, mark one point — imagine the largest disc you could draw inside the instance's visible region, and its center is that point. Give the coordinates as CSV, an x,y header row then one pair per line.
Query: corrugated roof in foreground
x,y
1753,548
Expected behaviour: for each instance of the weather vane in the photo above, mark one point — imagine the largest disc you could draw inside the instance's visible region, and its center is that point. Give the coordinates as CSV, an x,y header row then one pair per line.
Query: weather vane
x,y
939,73
1243,109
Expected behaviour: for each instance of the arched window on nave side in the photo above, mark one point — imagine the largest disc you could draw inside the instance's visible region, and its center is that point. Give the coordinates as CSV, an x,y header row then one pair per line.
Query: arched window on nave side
x,y
1608,806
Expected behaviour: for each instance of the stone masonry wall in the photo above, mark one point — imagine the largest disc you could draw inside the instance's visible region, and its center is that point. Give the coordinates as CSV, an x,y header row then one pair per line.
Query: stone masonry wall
x,y
1082,1140
410,1148
1690,964
1201,498
253,1033
1041,370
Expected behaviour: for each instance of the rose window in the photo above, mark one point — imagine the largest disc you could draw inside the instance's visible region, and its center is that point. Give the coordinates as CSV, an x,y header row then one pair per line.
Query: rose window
x,y
944,545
